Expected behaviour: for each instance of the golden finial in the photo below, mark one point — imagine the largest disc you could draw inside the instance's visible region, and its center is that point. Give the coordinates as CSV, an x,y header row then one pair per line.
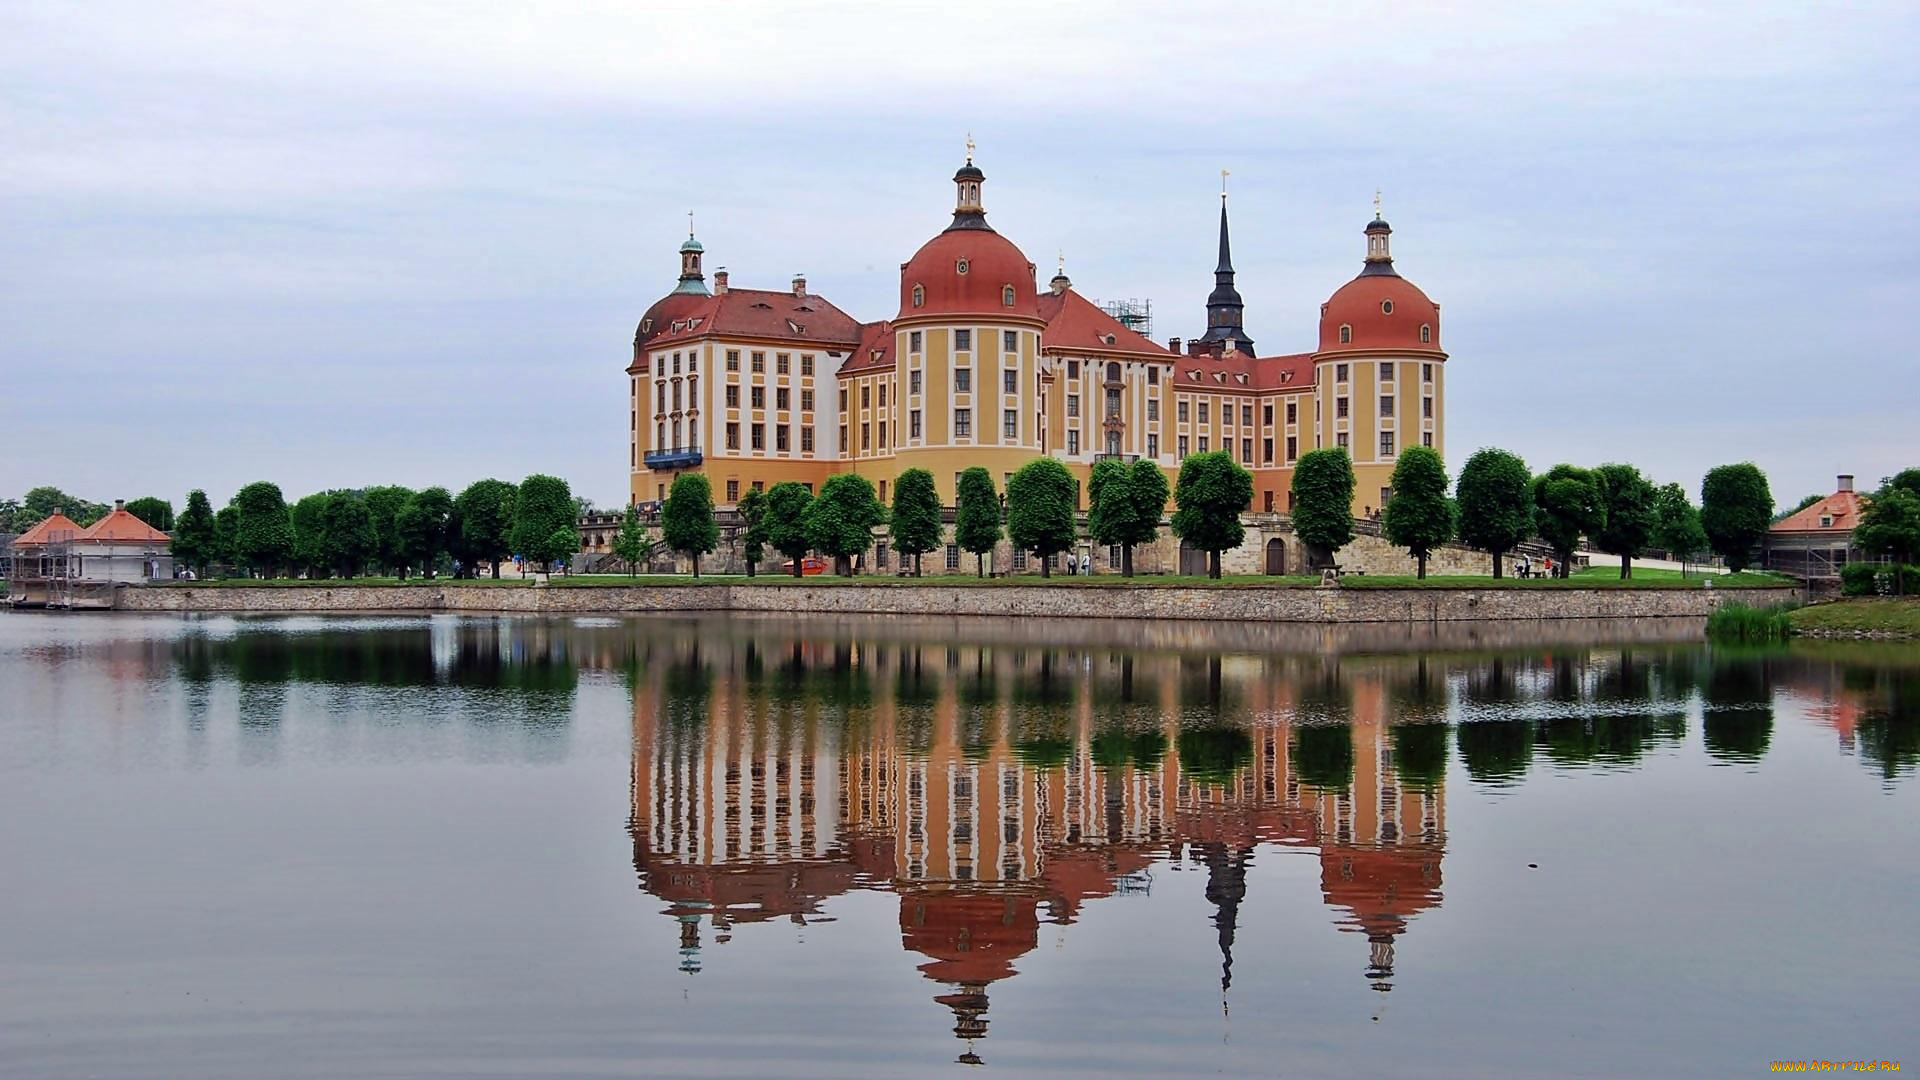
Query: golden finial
x,y
689,224
969,147
1062,271
1376,202
1223,185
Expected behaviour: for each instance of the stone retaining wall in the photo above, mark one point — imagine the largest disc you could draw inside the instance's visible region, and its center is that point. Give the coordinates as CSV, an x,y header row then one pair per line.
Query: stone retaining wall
x,y
1250,604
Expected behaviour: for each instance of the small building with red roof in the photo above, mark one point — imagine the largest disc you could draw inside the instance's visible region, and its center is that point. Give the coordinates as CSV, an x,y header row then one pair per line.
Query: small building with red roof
x,y
1815,541
59,563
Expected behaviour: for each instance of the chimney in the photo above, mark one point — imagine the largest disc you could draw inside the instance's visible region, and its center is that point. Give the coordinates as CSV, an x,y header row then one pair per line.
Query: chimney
x,y
1846,481
121,504
799,284
1173,345
720,281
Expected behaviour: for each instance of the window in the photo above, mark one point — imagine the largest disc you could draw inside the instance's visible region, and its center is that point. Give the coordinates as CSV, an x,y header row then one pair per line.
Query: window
x,y
1153,446
1246,451
1386,307
733,359
1180,410
1426,407
913,382
962,380
781,437
1010,340
1203,412
913,424
1183,446
661,397
733,491
1266,451
1153,376
953,556
1010,424
1293,412
919,296
759,397
1113,401
1386,404
1266,414
1426,334
676,363
1009,381
733,436
782,398
866,436
1203,444
1246,415
1386,494
963,423
883,434
733,396
759,435
660,437
806,440
806,401
913,341
1073,404
1340,407
962,340
1386,444
1153,408
676,395
1293,447
883,395
1339,373
1426,372
1426,439
1346,335
1073,442
866,395
843,436
1020,559
1006,295
780,363
759,362
880,550
806,364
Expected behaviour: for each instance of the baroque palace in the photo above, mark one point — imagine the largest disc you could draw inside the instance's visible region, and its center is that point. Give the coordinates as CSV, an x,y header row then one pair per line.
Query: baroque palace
x,y
980,366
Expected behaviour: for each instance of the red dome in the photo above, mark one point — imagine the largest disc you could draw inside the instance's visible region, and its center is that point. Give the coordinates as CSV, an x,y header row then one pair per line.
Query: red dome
x,y
674,305
1384,311
992,263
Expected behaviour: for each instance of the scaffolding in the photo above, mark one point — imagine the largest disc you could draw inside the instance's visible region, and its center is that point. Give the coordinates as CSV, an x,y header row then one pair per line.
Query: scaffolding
x,y
1135,315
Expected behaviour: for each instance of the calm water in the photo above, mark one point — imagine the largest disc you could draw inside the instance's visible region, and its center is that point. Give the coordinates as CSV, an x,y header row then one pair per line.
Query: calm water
x,y
442,846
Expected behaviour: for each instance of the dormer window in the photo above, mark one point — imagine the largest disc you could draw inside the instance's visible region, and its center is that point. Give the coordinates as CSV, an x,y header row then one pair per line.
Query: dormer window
x,y
919,296
1109,339
960,266
1346,335
1426,334
1386,307
1006,295
1826,522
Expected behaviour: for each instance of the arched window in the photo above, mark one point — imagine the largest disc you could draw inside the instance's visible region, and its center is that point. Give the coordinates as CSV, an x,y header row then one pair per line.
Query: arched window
x,y
1006,295
919,296
660,437
1346,335
1386,307
1426,333
1113,372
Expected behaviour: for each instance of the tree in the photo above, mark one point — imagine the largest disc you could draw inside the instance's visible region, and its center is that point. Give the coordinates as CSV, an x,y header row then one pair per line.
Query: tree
x,y
1735,509
1496,504
383,507
1907,480
840,522
486,512
43,502
1418,515
686,521
1149,488
1111,510
562,544
1676,524
153,510
1567,505
262,528
422,524
310,548
1040,500
193,539
226,526
753,539
786,521
350,539
632,544
976,516
1629,501
1212,491
914,525
1890,525
1322,497
542,507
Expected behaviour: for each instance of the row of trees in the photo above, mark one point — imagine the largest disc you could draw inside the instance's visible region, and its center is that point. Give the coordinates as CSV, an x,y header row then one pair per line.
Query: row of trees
x,y
388,529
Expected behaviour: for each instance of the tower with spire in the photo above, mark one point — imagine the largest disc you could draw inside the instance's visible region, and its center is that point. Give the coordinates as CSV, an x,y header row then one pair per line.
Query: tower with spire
x,y
692,280
1225,330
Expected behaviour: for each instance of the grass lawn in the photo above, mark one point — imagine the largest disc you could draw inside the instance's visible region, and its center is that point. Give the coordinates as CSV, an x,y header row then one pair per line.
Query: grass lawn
x,y
1896,615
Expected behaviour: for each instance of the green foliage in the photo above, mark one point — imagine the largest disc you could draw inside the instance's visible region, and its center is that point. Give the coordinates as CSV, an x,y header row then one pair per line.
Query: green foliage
x,y
632,543
840,522
1676,523
915,523
310,534
1323,756
542,507
1322,497
383,506
1213,755
226,526
262,528
1150,491
1890,525
153,510
43,502
1567,505
1740,624
486,513
786,521
686,520
563,545
193,539
1628,500
350,540
1735,509
1805,501
976,520
1418,515
753,539
423,527
1212,491
1879,579
1040,500
1907,480
1496,503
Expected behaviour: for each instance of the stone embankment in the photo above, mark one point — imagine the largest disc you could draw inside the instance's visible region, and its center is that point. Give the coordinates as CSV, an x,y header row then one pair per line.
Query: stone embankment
x,y
1241,604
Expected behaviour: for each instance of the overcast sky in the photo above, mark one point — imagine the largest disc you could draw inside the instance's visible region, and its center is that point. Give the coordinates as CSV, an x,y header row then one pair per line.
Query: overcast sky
x,y
372,243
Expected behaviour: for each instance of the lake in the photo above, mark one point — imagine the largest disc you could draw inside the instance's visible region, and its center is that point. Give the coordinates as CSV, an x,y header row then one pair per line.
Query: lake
x,y
418,846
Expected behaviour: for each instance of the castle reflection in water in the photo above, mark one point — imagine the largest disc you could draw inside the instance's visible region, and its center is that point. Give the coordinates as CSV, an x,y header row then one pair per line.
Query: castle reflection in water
x,y
993,789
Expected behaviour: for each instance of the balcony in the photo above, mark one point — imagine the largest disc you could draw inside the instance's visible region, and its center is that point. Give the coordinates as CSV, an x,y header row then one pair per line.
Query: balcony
x,y
1124,459
677,457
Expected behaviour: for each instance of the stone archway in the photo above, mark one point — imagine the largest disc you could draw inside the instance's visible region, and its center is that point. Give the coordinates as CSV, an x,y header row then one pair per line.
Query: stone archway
x,y
1276,557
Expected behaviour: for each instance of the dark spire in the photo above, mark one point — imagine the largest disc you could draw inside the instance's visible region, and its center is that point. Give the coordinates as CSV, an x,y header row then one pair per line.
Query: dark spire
x,y
1379,255
1224,307
1226,887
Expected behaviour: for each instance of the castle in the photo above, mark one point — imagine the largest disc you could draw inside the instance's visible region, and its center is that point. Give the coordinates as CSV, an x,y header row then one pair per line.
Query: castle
x,y
981,366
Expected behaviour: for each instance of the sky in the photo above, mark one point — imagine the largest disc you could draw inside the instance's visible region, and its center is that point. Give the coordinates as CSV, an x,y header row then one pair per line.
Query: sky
x,y
343,244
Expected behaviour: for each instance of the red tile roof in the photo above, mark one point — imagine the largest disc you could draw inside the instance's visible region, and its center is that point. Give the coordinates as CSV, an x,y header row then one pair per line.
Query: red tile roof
x,y
1074,323
121,527
57,529
1244,374
873,353
1841,509
804,319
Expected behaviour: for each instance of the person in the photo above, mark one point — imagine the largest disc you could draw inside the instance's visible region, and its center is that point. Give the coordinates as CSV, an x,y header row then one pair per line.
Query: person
x,y
1549,569
1524,566
1086,565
